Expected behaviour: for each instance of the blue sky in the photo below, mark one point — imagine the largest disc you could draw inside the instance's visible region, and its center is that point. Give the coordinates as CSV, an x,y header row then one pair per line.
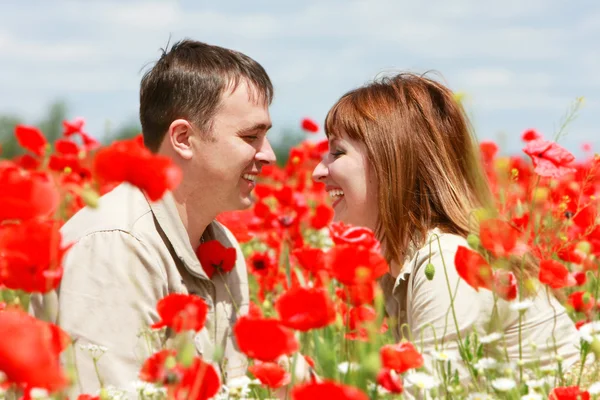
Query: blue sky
x,y
521,63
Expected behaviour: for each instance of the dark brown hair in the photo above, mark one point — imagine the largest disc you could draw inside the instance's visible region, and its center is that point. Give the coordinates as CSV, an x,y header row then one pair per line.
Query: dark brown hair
x,y
425,157
188,82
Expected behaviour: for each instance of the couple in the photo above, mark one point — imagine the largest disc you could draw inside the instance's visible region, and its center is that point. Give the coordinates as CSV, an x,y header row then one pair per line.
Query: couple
x,y
401,162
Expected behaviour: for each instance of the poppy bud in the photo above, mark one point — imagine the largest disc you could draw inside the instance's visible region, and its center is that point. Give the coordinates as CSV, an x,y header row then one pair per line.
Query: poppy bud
x,y
473,241
429,271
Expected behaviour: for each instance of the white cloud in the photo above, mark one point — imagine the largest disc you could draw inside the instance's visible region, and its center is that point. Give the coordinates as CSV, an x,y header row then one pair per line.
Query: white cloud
x,y
510,55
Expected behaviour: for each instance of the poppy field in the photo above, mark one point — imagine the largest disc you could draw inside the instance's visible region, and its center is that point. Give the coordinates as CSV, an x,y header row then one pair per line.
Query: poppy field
x,y
316,302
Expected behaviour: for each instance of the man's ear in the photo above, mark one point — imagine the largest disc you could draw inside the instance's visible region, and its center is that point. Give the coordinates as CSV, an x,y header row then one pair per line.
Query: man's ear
x,y
179,138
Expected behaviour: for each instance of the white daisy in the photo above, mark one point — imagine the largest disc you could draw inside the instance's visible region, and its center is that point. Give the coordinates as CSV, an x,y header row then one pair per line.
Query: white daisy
x,y
421,380
503,384
521,305
486,363
345,367
480,396
590,330
443,355
38,393
535,383
94,349
532,396
492,337
594,389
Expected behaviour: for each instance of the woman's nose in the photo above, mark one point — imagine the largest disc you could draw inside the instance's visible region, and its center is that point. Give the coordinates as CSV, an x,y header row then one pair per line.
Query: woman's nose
x,y
320,172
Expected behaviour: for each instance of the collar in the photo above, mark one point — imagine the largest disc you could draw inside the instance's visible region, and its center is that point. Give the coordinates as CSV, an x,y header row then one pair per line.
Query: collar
x,y
165,212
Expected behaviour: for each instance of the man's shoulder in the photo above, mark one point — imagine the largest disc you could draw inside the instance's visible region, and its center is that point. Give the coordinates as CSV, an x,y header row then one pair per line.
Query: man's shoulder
x,y
118,210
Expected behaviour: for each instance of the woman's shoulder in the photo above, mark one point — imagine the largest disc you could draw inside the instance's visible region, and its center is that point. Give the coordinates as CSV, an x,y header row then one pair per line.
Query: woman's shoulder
x,y
438,244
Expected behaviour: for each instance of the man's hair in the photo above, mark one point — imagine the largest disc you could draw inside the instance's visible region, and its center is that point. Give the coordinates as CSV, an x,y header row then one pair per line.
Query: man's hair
x,y
188,82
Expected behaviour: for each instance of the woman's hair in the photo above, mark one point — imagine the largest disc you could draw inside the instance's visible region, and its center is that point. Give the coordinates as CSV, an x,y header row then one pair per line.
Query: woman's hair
x,y
426,160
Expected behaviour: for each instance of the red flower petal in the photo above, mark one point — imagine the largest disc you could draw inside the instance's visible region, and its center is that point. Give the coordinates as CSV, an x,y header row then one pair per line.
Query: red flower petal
x,y
549,159
30,351
310,125
270,374
471,267
555,274
327,390
181,312
214,256
264,339
32,139
304,309
25,194
401,357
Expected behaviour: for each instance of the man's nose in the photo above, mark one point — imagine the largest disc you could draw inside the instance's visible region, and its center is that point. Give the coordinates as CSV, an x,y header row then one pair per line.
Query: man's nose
x,y
265,154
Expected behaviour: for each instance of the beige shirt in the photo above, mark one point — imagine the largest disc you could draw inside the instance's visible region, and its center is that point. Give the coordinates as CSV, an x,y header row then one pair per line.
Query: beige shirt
x,y
128,254
424,306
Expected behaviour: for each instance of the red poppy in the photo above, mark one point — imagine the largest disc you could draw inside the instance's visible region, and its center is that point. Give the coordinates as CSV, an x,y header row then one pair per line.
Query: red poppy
x,y
505,285
304,309
555,274
357,316
26,194
358,294
237,222
264,339
32,139
30,351
310,125
129,161
501,238
262,264
161,367
66,146
27,161
87,397
311,259
73,127
214,257
200,382
181,312
401,357
270,374
323,216
581,301
568,393
471,267
531,134
356,235
390,381
31,255
327,390
352,265
549,159
488,150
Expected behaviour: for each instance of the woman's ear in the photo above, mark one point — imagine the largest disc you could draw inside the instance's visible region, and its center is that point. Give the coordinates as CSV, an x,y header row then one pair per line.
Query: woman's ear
x,y
179,138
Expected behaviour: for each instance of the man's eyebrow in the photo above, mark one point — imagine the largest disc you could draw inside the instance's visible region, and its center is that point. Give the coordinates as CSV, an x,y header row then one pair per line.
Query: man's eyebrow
x,y
256,127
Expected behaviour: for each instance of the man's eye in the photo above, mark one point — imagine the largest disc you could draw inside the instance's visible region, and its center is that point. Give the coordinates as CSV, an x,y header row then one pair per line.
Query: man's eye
x,y
251,138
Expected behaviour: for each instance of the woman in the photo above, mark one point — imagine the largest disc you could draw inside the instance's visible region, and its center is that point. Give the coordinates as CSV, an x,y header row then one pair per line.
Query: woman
x,y
403,163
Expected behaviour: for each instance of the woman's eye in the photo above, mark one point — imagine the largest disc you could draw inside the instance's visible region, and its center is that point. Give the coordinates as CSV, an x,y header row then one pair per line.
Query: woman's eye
x,y
336,153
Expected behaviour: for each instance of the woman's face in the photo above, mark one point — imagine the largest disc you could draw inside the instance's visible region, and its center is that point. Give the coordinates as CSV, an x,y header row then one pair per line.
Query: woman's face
x,y
350,181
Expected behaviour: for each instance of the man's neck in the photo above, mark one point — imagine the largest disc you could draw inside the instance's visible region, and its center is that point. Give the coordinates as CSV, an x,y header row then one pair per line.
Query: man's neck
x,y
194,221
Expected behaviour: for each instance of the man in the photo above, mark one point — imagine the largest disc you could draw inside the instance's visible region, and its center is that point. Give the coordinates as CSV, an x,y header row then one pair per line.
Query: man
x,y
206,108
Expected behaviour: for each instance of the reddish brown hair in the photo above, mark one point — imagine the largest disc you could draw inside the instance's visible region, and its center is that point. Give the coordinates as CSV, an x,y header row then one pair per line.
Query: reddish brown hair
x,y
424,155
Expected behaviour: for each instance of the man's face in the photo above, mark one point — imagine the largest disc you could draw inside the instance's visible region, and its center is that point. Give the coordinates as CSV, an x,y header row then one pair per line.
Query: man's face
x,y
225,166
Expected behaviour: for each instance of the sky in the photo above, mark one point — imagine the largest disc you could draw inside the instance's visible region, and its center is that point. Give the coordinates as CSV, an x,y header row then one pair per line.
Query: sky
x,y
521,64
